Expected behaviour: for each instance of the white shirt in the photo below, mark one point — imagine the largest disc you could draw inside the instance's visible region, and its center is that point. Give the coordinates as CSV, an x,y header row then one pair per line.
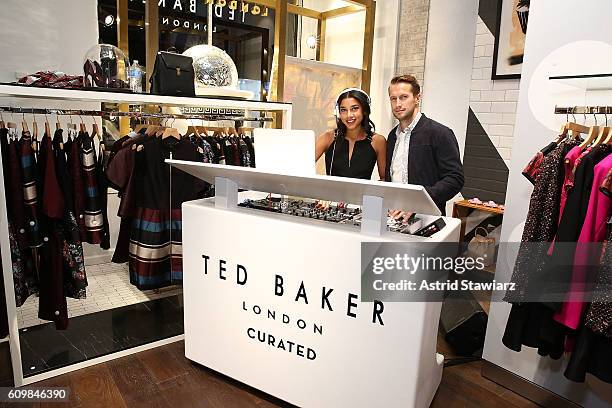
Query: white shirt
x,y
399,160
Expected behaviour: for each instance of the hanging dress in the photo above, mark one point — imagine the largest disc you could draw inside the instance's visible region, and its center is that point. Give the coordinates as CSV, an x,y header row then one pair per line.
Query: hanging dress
x,y
156,234
75,279
52,299
93,215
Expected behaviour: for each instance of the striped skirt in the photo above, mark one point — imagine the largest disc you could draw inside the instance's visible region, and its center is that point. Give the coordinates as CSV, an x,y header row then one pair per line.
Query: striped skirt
x,y
156,256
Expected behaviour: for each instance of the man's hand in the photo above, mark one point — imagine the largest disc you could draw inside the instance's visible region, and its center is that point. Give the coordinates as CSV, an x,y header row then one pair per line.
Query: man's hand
x,y
400,214
322,204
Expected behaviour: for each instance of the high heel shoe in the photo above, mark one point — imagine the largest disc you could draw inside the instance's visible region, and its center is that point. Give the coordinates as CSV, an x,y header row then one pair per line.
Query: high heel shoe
x,y
105,74
93,77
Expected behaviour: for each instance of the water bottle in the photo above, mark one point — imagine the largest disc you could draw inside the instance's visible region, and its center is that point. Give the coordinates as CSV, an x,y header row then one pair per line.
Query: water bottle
x,y
136,73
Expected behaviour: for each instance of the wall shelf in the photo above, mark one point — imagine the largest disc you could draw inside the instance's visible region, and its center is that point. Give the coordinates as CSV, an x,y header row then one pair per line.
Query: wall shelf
x,y
20,91
80,95
588,82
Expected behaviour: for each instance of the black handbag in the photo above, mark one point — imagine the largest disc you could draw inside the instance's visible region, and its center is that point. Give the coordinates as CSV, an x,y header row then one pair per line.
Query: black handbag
x,y
172,75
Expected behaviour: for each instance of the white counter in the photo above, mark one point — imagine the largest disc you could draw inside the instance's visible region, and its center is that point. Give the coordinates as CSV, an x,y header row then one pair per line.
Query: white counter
x,y
335,350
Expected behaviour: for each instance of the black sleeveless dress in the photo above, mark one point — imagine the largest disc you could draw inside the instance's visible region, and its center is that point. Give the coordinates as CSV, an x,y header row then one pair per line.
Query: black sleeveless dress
x,y
360,165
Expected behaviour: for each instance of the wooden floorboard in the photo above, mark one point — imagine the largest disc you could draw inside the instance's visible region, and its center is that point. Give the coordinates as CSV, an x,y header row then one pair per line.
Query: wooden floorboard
x,y
91,387
163,365
135,383
163,377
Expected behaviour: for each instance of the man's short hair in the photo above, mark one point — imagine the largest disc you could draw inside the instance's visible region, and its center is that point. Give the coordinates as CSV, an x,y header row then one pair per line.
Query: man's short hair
x,y
407,79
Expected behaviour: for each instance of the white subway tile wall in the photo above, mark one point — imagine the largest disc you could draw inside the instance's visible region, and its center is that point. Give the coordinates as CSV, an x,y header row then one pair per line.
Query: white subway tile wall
x,y
505,107
493,95
501,130
481,106
493,102
414,17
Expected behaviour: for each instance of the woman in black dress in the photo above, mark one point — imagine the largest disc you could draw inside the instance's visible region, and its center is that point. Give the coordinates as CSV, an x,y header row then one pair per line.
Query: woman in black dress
x,y
352,149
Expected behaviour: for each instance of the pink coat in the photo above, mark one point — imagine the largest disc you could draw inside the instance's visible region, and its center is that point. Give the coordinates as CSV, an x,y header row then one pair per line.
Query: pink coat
x,y
593,230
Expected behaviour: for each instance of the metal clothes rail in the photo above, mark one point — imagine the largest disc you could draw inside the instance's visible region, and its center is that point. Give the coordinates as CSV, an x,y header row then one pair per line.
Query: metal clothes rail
x,y
583,110
133,114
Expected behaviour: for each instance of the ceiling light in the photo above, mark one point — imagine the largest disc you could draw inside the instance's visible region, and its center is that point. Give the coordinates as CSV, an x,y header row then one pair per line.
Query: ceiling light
x,y
311,42
109,20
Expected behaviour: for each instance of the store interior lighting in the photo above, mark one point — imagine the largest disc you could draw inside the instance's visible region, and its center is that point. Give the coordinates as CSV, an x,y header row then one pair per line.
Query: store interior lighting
x,y
311,42
109,20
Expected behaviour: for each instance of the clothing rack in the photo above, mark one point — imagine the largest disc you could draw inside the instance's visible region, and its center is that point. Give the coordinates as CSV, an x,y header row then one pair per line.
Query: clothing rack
x,y
584,110
190,107
134,114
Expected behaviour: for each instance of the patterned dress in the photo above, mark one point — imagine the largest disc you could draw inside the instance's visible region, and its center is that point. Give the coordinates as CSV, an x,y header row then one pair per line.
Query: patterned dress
x,y
532,170
156,233
71,147
93,214
75,280
24,275
30,192
531,324
541,222
599,316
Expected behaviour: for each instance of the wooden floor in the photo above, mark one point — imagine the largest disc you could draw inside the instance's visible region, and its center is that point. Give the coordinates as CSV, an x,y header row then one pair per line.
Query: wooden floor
x,y
462,386
163,377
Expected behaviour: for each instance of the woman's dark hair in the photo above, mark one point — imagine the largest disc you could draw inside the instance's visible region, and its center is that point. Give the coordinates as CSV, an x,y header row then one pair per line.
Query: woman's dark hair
x,y
366,124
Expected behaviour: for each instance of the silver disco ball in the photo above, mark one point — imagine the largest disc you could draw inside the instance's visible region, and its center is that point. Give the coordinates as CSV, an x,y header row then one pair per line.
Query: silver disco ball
x,y
213,67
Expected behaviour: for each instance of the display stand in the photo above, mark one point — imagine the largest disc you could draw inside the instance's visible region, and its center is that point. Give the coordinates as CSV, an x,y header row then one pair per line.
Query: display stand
x,y
254,278
15,95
